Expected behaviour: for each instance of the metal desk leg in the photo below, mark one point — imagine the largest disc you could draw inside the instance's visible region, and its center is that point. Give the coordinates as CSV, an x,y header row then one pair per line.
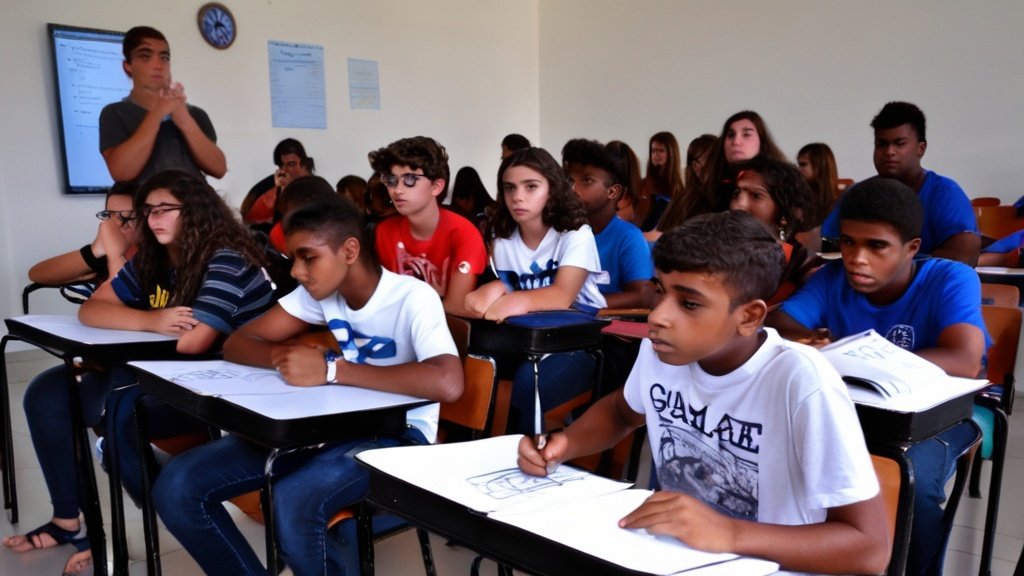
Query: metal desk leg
x,y
6,440
538,412
267,499
118,531
83,457
149,525
364,537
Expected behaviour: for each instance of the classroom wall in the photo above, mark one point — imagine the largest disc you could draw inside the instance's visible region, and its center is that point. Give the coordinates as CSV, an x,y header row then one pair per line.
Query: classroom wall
x,y
816,71
445,70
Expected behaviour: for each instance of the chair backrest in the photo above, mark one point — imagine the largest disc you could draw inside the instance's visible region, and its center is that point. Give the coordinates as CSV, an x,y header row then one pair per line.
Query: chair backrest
x,y
888,472
986,201
1000,295
844,183
1003,324
997,221
473,410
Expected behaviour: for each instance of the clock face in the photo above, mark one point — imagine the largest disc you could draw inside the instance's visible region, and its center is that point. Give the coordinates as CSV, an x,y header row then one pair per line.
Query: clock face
x,y
217,25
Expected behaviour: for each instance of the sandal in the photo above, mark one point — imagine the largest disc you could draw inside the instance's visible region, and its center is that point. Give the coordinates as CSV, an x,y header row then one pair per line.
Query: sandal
x,y
60,536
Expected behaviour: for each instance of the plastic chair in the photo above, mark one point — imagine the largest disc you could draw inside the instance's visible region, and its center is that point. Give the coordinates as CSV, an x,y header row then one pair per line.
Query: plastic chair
x,y
997,221
992,407
1005,295
894,489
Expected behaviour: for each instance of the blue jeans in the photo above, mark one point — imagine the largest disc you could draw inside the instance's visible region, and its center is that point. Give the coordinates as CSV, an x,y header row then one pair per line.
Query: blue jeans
x,y
48,410
934,464
311,486
561,378
122,440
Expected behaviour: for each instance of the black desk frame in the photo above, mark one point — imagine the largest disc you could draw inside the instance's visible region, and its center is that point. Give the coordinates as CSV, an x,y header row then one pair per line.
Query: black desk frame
x,y
71,352
280,436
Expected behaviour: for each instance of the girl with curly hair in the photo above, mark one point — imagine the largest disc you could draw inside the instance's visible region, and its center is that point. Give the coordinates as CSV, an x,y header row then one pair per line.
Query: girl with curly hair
x,y
545,257
197,275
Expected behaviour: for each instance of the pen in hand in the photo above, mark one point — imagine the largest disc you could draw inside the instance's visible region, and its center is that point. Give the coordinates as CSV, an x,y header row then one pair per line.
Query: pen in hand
x,y
542,441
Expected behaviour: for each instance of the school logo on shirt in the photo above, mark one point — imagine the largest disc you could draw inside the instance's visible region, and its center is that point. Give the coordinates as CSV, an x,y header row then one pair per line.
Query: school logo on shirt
x,y
358,347
901,335
159,298
539,278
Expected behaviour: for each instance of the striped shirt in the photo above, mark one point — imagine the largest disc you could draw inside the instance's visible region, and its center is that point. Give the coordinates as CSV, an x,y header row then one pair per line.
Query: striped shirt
x,y
232,293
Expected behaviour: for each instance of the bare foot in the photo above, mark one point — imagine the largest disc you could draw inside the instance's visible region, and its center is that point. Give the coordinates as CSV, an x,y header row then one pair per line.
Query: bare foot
x,y
78,563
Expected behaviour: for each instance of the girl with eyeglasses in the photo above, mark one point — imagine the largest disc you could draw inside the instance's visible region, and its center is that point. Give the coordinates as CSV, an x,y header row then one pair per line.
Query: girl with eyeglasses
x,y
92,264
197,275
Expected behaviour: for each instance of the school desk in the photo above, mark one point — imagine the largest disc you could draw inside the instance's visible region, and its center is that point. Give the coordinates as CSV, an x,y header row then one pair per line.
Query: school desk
x,y
257,403
566,523
74,343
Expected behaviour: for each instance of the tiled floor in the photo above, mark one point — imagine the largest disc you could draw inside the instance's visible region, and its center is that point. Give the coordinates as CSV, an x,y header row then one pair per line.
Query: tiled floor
x,y
399,555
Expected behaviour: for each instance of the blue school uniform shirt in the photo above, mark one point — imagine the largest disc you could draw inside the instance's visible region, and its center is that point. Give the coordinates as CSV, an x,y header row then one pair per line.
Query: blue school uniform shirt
x,y
942,293
625,256
1006,244
947,212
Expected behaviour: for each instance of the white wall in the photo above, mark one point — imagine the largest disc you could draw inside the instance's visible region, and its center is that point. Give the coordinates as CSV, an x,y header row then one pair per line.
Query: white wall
x,y
464,72
815,70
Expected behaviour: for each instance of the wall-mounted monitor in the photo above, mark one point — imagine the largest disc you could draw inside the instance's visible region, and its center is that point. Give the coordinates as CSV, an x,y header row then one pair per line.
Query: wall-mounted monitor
x,y
88,76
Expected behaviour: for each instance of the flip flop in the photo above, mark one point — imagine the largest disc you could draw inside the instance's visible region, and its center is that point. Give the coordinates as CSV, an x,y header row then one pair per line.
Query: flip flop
x,y
60,536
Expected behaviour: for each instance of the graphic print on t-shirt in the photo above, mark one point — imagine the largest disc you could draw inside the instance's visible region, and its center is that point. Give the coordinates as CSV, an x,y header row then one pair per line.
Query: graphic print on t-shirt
x,y
539,278
410,264
714,462
358,347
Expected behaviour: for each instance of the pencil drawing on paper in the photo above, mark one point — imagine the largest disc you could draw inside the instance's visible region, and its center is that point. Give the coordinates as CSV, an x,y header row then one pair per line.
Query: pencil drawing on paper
x,y
251,375
512,482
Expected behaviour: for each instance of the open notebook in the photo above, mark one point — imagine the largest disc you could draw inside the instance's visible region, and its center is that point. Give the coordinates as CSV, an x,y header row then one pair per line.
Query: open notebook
x,y
879,373
571,506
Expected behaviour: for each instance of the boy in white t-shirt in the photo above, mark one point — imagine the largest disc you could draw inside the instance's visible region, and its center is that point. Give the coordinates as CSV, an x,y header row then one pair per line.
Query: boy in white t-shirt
x,y
392,335
756,444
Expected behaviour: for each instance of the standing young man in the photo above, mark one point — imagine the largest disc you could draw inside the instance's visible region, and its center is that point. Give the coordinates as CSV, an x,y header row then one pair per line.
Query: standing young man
x,y
154,129
950,228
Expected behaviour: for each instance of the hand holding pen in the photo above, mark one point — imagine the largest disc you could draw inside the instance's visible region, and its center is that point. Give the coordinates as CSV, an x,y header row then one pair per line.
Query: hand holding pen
x,y
540,455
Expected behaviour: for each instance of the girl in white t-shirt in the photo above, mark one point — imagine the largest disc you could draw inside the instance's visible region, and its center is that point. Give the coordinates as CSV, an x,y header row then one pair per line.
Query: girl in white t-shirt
x,y
545,257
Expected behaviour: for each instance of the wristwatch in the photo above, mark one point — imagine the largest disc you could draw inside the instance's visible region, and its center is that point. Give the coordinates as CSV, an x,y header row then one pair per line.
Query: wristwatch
x,y
332,367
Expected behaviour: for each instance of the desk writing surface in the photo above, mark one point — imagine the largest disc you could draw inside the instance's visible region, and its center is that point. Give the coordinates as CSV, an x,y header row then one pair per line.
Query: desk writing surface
x,y
69,328
265,392
573,508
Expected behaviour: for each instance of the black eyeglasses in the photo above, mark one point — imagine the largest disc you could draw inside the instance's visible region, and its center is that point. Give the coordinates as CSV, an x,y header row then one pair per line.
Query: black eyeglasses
x,y
124,216
158,210
409,179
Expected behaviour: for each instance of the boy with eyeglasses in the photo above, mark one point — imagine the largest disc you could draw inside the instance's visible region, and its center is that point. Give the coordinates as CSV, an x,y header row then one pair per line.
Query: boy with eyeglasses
x,y
437,246
153,129
103,257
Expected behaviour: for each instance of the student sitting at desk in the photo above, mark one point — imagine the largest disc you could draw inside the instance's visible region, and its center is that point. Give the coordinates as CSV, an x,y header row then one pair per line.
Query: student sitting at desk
x,y
756,443
545,258
392,335
437,246
597,176
102,258
197,276
930,307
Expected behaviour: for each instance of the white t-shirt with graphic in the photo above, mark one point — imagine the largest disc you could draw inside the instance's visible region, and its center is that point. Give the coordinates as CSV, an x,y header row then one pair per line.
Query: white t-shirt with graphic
x,y
777,440
523,269
403,321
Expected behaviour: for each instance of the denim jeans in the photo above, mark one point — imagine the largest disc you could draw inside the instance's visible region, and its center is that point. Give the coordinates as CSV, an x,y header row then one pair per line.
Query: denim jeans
x,y
311,486
48,410
561,378
934,463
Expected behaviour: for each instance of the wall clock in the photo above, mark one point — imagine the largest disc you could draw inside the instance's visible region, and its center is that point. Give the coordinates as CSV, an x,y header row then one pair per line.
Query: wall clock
x,y
217,25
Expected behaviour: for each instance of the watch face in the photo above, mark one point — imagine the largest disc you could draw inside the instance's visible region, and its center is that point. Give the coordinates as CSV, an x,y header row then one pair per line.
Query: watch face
x,y
217,25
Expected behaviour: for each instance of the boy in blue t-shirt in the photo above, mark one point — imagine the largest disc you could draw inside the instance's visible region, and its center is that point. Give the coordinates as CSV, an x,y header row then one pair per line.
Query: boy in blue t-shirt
x,y
597,178
931,307
950,229
756,444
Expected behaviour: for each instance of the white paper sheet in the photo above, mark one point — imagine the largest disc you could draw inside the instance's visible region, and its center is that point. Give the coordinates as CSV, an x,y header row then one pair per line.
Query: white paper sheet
x,y
264,391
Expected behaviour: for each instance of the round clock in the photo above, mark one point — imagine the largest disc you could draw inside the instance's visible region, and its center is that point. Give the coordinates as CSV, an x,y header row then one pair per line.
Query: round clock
x,y
217,25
